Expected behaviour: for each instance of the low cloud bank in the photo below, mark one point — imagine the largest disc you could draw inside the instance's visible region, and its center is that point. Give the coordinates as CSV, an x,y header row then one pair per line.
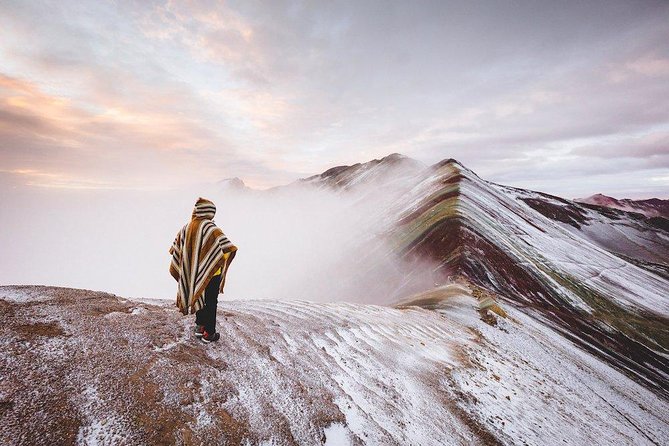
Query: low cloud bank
x,y
294,243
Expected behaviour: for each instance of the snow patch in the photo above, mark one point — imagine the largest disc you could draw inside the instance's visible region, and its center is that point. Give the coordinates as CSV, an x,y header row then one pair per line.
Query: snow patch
x,y
336,434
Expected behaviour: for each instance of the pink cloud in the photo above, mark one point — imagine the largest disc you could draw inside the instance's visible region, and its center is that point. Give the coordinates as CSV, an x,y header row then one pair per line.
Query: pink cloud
x,y
60,141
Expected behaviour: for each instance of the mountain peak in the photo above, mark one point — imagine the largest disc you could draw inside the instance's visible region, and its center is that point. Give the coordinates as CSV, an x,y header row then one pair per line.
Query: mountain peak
x,y
652,207
388,168
597,196
451,162
232,183
394,157
455,165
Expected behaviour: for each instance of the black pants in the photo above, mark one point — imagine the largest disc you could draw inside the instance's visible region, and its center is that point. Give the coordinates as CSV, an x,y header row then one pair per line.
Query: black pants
x,y
207,315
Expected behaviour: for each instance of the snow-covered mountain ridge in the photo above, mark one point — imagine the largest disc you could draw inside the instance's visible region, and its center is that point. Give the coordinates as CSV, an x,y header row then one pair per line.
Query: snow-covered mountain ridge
x,y
599,276
592,276
91,368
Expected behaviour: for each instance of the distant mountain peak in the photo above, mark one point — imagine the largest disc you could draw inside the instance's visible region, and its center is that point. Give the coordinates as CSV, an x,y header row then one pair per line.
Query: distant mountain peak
x,y
388,168
233,183
597,196
394,157
652,207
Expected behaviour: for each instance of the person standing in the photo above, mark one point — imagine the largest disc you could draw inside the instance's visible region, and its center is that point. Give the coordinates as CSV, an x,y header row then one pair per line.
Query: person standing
x,y
201,255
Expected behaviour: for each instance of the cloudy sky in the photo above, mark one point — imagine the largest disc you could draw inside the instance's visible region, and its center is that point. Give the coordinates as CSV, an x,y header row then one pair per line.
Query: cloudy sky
x,y
570,98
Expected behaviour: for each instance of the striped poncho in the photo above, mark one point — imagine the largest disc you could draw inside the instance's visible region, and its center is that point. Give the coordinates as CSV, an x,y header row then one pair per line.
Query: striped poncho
x,y
198,251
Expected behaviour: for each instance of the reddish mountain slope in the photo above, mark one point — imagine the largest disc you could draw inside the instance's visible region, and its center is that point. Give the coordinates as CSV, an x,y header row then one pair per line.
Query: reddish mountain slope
x,y
653,207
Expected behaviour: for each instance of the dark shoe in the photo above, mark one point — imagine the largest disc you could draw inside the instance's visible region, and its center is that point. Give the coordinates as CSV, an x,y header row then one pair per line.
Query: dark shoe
x,y
207,338
199,331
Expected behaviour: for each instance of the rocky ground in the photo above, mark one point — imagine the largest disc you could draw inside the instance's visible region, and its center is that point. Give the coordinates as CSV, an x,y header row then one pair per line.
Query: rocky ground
x,y
446,367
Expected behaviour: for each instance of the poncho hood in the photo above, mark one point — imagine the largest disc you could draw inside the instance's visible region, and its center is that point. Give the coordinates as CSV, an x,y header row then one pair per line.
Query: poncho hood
x,y
204,209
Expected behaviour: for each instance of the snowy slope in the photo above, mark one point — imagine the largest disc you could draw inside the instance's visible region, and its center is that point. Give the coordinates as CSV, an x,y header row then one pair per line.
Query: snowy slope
x,y
90,368
375,173
537,251
503,217
600,276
